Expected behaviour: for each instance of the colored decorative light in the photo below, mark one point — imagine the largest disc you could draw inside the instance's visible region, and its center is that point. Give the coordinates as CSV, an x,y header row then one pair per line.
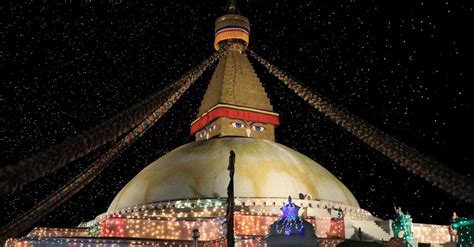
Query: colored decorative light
x,y
290,223
172,222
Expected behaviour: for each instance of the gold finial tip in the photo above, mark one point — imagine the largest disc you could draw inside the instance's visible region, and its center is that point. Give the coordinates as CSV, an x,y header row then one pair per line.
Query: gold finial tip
x,y
232,8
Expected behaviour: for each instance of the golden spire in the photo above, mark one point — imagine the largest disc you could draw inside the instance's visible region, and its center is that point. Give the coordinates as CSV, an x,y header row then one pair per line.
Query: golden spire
x,y
235,103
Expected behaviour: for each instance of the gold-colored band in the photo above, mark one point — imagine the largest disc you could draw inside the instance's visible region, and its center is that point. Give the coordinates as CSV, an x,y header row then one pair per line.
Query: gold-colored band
x,y
231,34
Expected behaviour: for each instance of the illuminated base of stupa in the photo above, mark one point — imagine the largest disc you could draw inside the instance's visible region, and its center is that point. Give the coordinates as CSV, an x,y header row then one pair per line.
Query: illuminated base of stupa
x,y
148,211
171,223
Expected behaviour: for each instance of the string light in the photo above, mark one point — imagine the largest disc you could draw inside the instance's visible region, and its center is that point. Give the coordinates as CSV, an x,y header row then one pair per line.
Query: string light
x,y
27,219
173,222
426,233
49,160
437,174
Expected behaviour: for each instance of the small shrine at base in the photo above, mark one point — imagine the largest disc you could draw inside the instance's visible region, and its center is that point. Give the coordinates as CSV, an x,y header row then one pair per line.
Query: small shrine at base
x,y
290,229
402,228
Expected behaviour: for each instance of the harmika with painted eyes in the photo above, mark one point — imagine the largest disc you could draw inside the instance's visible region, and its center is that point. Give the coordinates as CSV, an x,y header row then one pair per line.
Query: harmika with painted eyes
x,y
249,127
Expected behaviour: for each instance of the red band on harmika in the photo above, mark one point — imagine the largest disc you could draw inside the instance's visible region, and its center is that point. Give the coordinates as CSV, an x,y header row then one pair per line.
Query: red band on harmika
x,y
233,111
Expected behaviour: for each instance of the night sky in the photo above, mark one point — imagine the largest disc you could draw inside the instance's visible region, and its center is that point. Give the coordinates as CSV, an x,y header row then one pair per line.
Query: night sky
x,y
404,66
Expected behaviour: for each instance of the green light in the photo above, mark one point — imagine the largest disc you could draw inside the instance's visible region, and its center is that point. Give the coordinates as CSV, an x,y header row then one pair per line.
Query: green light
x,y
463,223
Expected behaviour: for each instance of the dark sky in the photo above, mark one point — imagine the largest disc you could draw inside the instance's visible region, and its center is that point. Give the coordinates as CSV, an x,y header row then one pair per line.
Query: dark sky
x,y
404,66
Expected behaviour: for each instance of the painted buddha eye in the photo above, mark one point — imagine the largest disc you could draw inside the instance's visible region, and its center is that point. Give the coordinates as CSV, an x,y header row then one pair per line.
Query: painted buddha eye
x,y
258,128
237,125
213,127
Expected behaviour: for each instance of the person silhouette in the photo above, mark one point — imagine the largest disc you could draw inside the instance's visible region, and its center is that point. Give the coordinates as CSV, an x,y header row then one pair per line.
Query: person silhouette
x,y
453,234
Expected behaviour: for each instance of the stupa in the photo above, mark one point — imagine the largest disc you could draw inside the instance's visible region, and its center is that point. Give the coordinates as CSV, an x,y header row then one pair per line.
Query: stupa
x,y
186,189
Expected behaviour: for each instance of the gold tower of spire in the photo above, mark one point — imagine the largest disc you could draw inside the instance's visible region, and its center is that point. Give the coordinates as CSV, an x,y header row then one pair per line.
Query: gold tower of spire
x,y
235,103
